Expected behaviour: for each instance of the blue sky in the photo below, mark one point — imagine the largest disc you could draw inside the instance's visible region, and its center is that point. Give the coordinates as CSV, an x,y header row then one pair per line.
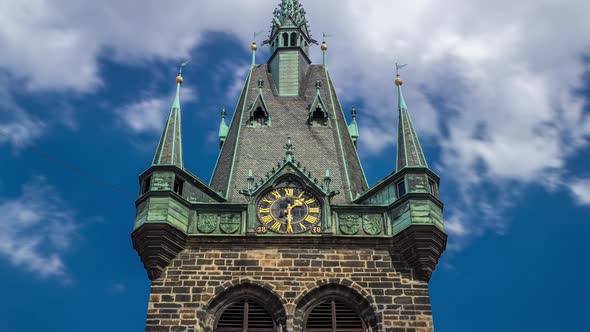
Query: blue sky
x,y
499,98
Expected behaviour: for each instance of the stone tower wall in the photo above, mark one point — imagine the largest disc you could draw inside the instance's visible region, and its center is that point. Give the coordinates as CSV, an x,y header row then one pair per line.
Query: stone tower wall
x,y
199,282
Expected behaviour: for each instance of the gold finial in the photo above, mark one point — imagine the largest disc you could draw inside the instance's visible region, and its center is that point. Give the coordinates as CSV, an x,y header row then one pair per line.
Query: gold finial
x,y
179,78
324,46
254,47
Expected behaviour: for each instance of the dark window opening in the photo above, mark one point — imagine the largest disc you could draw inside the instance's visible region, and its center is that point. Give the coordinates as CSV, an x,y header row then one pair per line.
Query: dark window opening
x,y
145,185
285,39
432,188
178,184
319,118
243,316
293,39
259,117
334,316
401,189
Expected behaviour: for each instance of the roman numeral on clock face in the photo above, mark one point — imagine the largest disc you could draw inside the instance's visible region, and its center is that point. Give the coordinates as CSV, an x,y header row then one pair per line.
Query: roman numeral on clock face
x,y
276,226
264,210
311,219
289,192
266,219
314,210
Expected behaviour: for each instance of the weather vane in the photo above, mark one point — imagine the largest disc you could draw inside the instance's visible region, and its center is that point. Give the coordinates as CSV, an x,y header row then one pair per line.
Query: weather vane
x,y
182,65
398,67
256,35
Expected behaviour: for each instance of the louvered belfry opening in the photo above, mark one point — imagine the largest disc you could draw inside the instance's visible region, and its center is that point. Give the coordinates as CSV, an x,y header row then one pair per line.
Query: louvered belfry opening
x,y
245,316
333,315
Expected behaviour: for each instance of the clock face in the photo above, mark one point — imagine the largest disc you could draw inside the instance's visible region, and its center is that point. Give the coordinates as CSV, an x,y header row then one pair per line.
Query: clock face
x,y
289,210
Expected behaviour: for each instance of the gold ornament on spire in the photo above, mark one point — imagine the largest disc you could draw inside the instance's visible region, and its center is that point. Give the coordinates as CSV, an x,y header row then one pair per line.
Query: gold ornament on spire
x,y
324,46
254,47
398,80
179,79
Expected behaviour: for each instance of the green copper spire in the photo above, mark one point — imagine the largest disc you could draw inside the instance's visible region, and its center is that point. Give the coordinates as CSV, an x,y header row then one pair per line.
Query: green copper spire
x,y
223,128
353,128
409,151
169,150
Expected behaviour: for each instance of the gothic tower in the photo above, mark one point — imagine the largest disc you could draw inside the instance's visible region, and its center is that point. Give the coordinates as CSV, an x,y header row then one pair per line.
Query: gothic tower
x,y
288,236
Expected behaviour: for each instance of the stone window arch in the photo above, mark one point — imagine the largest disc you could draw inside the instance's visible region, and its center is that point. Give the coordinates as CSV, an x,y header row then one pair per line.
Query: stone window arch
x,y
245,315
333,315
293,39
335,308
244,307
285,39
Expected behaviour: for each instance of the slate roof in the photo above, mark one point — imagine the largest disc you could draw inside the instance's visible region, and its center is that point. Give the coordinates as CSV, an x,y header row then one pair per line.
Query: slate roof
x,y
317,148
409,151
169,151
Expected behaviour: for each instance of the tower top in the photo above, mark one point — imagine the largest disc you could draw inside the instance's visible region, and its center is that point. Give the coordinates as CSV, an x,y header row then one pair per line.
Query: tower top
x,y
169,151
288,17
409,151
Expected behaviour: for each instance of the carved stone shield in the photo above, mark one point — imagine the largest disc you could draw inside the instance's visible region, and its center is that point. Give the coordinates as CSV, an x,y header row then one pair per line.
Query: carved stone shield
x,y
349,224
229,223
207,223
372,224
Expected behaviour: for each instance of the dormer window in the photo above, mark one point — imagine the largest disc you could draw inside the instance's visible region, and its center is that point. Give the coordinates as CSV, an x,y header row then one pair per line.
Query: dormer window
x,y
259,117
285,39
319,118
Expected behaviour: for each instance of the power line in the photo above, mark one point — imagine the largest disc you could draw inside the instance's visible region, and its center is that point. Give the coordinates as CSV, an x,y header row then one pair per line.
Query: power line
x,y
66,165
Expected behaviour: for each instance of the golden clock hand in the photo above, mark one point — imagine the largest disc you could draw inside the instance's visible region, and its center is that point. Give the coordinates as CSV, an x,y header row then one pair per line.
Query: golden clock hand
x,y
289,218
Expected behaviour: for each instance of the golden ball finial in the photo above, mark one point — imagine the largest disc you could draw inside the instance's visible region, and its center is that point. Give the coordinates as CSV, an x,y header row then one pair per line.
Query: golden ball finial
x,y
254,47
324,46
398,81
179,79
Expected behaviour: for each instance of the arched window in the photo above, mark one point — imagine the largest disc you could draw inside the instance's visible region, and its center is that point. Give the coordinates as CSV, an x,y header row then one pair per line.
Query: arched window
x,y
259,117
318,118
285,39
245,315
293,39
333,316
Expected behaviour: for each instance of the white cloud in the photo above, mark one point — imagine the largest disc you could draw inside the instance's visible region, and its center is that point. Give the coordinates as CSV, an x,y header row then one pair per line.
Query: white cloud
x,y
580,189
17,127
149,115
490,82
36,229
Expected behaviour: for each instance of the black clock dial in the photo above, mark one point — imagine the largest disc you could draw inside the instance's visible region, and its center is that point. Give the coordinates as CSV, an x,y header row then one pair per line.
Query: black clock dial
x,y
289,210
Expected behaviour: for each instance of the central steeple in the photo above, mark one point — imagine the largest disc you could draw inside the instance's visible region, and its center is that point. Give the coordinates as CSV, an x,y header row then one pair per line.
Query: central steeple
x,y
289,43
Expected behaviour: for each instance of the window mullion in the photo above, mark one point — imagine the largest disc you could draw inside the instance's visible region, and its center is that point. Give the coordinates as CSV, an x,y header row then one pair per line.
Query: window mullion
x,y
245,321
333,316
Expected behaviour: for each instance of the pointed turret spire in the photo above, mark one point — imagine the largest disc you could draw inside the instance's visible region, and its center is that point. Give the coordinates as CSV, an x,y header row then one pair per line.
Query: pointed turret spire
x,y
223,128
353,128
169,150
409,151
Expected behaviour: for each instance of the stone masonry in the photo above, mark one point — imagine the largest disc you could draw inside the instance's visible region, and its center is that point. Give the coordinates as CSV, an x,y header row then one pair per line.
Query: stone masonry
x,y
392,300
